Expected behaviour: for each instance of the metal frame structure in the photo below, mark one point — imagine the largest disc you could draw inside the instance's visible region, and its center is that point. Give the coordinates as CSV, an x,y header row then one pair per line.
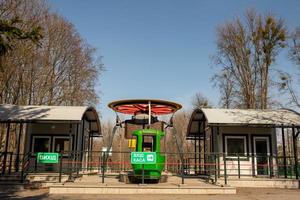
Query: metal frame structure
x,y
17,115
200,137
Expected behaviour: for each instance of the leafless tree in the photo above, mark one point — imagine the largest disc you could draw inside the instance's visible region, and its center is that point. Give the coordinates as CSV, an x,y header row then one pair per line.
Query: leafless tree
x,y
225,82
246,50
200,101
289,83
61,70
294,52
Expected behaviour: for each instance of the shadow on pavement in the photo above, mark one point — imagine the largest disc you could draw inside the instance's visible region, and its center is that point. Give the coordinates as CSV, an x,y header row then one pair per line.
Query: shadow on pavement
x,y
9,193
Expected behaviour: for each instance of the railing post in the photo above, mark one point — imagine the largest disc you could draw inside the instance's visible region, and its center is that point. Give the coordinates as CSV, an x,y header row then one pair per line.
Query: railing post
x,y
225,169
70,165
277,166
10,162
77,163
239,166
216,173
103,166
295,152
35,162
22,168
219,169
99,165
270,166
284,153
143,175
253,165
18,148
6,148
60,167
182,171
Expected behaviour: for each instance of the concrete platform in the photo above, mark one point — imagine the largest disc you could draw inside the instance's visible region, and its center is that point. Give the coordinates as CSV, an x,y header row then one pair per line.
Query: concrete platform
x,y
92,185
262,183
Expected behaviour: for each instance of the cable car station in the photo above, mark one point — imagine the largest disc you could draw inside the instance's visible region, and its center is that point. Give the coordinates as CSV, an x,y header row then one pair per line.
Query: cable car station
x,y
229,148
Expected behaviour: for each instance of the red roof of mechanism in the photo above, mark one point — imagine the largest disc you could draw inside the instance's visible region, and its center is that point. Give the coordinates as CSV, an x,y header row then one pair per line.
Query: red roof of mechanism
x,y
141,106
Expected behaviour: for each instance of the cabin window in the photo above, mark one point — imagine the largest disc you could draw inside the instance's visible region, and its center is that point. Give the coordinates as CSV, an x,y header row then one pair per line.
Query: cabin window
x,y
148,144
61,144
41,144
235,145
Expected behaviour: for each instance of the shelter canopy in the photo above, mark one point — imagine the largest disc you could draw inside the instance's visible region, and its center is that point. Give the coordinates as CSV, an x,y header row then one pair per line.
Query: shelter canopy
x,y
252,117
241,117
57,114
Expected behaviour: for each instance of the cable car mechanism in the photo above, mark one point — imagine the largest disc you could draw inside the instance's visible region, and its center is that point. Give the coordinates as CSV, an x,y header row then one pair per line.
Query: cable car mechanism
x,y
150,131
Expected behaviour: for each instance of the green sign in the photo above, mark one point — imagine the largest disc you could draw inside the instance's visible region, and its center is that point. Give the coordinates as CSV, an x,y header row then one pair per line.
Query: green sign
x,y
143,157
43,157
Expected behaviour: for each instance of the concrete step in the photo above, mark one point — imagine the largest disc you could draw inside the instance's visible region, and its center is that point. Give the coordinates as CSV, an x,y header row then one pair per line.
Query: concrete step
x,y
138,189
46,177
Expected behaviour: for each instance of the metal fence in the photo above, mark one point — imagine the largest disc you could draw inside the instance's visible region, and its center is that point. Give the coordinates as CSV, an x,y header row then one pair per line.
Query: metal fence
x,y
211,166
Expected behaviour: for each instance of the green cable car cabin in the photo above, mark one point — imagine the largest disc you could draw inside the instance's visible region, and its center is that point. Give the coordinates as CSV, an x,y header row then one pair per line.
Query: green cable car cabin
x,y
148,140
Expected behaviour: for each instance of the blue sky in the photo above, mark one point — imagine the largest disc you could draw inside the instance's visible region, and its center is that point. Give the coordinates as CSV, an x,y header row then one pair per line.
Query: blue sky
x,y
160,48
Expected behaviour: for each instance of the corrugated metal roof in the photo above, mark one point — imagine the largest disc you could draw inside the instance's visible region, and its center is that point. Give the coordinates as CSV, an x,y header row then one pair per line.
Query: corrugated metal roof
x,y
251,117
16,113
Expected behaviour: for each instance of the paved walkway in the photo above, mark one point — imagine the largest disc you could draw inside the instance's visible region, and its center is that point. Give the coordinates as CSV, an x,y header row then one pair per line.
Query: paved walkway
x,y
242,194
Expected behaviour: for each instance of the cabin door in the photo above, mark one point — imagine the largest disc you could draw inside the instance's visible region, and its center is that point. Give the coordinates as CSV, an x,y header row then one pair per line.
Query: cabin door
x,y
262,152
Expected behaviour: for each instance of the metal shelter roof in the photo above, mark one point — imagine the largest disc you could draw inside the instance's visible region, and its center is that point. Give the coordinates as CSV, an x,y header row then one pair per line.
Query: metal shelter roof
x,y
57,114
241,117
252,117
